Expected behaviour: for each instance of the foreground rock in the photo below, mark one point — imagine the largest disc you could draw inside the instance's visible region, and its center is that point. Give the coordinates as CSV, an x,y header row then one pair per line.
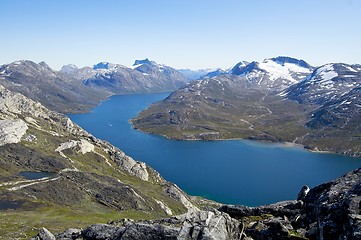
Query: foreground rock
x,y
328,211
192,225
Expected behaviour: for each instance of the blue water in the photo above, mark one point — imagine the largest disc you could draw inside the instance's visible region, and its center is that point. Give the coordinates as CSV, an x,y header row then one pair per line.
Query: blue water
x,y
235,172
36,175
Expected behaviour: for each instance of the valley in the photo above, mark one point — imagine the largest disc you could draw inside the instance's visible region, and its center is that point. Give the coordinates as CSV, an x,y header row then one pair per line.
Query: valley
x,y
56,175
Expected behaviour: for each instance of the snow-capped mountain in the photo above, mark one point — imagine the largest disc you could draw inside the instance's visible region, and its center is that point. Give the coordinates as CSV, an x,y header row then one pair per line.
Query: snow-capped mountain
x,y
326,83
238,68
143,76
216,72
274,73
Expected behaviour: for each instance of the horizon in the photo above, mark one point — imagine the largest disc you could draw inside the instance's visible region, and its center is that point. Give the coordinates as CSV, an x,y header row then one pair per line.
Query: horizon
x,y
207,68
181,34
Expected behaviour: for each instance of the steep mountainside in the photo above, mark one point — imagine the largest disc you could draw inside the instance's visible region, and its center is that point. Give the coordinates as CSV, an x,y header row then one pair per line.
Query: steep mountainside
x,y
74,90
321,112
326,83
55,90
82,179
144,76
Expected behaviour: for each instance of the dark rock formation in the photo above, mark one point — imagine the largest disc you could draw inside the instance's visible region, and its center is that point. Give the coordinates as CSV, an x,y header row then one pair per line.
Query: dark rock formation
x,y
328,211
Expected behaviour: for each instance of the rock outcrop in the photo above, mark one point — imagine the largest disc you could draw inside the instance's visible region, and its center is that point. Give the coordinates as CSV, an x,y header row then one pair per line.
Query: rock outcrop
x,y
211,225
11,131
88,175
328,211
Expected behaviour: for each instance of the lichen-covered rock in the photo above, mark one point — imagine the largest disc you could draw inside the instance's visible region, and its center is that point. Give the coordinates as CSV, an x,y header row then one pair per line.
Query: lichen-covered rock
x,y
176,193
329,211
209,225
70,234
102,232
44,234
335,208
150,232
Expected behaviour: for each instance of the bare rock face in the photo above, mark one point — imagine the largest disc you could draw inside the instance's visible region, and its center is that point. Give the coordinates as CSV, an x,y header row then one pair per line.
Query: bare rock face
x,y
44,234
211,225
328,211
11,131
176,193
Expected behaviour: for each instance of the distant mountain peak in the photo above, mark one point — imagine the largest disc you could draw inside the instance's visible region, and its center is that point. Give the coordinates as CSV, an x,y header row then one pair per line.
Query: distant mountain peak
x,y
69,68
284,59
243,69
144,61
43,64
101,65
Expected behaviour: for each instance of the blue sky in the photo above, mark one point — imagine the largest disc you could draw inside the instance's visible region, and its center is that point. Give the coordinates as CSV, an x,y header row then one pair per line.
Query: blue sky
x,y
179,33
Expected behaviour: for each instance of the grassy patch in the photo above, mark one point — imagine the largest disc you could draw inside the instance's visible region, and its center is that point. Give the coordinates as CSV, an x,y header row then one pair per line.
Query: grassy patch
x,y
20,224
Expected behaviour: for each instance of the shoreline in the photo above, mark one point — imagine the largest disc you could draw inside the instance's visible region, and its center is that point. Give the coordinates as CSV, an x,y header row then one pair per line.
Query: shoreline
x,y
285,143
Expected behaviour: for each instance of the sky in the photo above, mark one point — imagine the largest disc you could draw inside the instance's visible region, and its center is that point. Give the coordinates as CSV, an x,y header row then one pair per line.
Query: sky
x,y
179,33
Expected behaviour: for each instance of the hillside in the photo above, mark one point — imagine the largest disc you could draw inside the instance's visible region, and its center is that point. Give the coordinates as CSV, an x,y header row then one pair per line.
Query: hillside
x,y
274,100
55,90
328,211
77,90
55,174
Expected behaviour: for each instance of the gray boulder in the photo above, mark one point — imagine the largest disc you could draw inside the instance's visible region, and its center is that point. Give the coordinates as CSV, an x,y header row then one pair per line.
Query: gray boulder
x,y
44,234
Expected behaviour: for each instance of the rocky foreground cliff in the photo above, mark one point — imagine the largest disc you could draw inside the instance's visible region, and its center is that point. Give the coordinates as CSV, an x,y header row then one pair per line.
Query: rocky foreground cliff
x,y
329,211
85,179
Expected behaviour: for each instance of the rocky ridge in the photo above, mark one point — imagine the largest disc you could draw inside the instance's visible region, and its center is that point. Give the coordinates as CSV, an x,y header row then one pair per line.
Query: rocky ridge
x,y
89,176
77,90
328,211
53,89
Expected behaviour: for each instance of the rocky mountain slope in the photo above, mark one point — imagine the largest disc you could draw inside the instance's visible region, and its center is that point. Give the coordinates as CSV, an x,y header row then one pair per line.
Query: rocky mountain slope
x,y
328,211
269,101
74,90
55,90
326,83
82,179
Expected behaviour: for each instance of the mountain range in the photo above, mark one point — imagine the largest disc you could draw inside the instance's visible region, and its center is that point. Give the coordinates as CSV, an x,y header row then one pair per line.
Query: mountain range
x,y
75,90
279,99
87,180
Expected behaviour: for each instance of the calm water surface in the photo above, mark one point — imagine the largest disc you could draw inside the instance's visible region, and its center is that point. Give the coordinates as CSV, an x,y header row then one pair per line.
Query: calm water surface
x,y
234,172
36,175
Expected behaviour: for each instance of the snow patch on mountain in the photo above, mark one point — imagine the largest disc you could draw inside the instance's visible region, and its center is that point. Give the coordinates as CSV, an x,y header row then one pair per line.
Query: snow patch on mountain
x,y
326,72
276,70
